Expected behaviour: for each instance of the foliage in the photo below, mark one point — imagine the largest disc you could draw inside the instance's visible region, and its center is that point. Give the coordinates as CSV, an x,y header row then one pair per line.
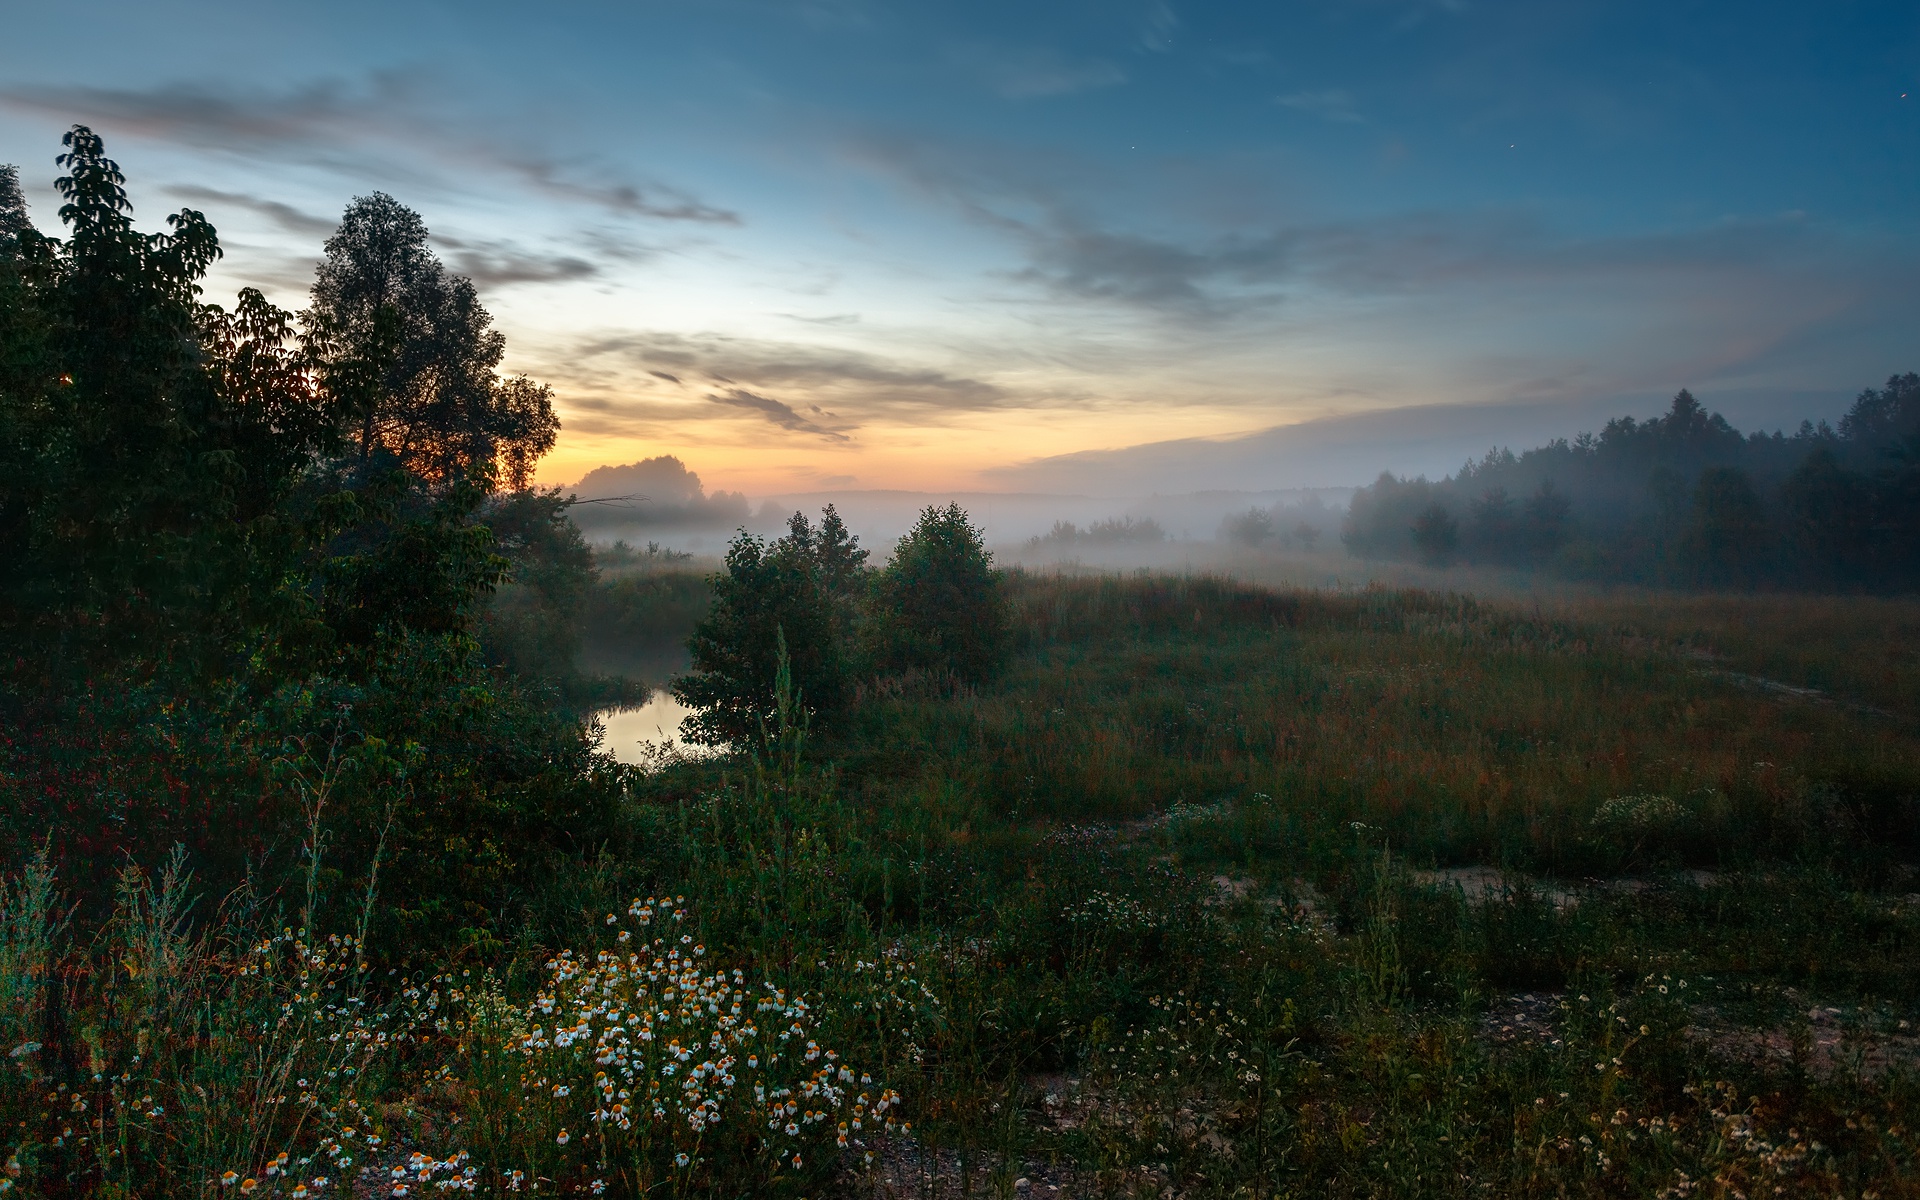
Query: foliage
x,y
408,358
1196,889
1105,922
773,601
941,598
216,592
535,623
1683,499
1435,534
1111,531
636,623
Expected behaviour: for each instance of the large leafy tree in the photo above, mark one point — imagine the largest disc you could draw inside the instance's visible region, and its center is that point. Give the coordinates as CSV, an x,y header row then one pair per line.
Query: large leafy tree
x,y
13,208
229,614
144,435
410,357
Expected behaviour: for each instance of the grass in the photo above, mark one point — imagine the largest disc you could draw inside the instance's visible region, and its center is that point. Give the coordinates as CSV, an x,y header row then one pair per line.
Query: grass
x,y
1163,909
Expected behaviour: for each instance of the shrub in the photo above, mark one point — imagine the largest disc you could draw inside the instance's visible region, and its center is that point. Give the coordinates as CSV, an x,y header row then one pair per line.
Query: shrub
x,y
771,600
939,600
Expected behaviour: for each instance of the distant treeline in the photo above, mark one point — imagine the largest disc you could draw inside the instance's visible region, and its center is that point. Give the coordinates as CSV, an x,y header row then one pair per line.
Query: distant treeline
x,y
1113,531
1682,499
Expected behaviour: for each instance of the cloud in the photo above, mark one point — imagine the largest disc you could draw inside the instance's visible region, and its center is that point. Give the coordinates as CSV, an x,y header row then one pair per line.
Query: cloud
x,y
1157,26
1027,73
1186,272
207,117
849,380
498,264
1074,258
1334,105
776,412
328,119
488,263
658,201
285,216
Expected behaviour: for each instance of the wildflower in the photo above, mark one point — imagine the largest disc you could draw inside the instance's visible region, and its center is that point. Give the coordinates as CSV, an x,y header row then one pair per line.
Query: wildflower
x,y
227,1179
563,1139
249,1183
681,1159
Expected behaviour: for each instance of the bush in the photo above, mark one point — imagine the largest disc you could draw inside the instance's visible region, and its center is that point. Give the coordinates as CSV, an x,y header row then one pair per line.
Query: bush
x,y
939,600
772,600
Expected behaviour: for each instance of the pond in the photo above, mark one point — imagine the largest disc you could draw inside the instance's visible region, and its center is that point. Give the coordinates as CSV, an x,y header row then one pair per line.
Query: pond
x,y
656,721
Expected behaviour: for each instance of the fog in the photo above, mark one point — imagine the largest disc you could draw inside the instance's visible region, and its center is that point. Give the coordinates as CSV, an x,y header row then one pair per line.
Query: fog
x,y
659,502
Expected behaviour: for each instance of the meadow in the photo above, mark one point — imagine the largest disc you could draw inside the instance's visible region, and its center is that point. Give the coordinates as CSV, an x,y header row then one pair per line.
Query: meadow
x,y
1215,889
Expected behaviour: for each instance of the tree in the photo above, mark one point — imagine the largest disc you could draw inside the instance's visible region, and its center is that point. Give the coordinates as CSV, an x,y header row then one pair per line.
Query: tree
x,y
1729,530
939,603
771,598
1436,534
408,354
1830,512
1253,527
13,208
1544,523
1881,420
121,457
1897,507
198,596
1495,536
532,624
842,562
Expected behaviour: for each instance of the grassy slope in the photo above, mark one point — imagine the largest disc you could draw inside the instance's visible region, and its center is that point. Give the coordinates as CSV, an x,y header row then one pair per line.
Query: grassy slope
x,y
1167,884
1134,811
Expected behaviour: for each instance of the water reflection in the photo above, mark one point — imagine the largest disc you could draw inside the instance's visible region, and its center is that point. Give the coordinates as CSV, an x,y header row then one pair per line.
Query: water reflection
x,y
657,721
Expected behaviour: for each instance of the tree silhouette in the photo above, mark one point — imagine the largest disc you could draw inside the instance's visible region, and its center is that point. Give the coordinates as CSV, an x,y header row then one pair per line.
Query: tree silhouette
x,y
939,599
13,208
1436,534
409,356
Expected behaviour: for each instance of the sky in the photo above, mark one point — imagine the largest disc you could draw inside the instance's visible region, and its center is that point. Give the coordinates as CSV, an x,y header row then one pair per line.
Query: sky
x,y
1098,246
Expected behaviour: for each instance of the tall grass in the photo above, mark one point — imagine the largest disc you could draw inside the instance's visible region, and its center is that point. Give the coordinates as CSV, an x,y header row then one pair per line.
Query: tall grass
x,y
1154,912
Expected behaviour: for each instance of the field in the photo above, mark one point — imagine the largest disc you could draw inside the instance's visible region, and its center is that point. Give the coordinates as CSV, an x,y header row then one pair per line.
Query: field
x,y
1227,890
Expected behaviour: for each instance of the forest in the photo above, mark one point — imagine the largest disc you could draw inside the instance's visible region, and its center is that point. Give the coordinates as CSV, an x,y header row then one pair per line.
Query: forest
x,y
1679,500
317,877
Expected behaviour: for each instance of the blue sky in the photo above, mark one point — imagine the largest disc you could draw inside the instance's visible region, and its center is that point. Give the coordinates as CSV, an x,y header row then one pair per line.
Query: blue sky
x,y
852,244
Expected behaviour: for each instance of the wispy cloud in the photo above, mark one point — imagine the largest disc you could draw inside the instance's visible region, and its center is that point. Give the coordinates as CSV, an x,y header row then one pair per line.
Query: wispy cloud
x,y
860,383
1030,72
1158,23
330,118
777,412
657,201
1199,274
1330,105
499,266
500,263
286,216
